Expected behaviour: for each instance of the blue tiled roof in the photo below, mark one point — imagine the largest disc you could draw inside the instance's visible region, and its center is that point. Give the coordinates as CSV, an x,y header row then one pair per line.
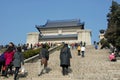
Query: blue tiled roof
x,y
59,36
61,23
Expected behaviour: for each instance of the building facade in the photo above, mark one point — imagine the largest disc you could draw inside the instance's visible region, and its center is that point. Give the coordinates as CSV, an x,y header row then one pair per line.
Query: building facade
x,y
69,31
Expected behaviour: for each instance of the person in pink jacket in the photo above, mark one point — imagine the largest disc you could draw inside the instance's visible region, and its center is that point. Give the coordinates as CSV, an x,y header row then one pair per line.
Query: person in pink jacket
x,y
9,53
112,57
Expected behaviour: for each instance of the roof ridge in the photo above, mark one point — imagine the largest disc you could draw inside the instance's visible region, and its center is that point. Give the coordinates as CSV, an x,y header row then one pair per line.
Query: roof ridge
x,y
65,20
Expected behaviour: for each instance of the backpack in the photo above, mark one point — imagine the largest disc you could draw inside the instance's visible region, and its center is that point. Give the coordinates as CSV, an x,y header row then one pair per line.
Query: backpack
x,y
2,57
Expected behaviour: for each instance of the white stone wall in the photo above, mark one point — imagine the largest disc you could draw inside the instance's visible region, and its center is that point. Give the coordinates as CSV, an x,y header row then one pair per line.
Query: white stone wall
x,y
32,38
84,36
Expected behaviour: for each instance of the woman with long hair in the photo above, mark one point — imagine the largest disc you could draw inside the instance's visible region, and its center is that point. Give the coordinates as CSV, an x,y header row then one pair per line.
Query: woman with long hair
x,y
9,53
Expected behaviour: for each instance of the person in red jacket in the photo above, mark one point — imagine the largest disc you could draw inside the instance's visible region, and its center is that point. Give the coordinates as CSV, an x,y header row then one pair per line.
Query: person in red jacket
x,y
112,57
9,53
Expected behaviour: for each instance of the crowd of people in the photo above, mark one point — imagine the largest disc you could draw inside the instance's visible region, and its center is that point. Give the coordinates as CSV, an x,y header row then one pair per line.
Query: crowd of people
x,y
65,56
11,57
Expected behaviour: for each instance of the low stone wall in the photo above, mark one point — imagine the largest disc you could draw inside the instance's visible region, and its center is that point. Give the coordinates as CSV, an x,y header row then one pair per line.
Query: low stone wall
x,y
36,57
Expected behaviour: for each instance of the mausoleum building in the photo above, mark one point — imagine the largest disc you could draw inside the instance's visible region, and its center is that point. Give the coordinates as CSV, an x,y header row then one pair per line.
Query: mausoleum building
x,y
69,31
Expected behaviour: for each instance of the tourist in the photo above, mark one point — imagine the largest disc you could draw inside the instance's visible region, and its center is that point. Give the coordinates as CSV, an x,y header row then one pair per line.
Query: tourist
x,y
44,56
72,45
84,44
11,44
94,42
112,57
96,46
65,56
78,49
18,59
2,63
9,53
81,43
83,50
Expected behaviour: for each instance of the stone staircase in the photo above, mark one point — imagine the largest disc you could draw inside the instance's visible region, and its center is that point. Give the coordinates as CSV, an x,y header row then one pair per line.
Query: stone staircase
x,y
94,66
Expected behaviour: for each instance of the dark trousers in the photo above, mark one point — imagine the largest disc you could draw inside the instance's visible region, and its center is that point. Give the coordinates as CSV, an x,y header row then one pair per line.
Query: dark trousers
x,y
16,73
2,63
78,52
65,69
113,60
8,67
83,52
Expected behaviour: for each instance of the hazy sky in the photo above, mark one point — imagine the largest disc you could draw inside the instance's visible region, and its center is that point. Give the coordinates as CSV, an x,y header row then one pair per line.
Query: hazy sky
x,y
19,17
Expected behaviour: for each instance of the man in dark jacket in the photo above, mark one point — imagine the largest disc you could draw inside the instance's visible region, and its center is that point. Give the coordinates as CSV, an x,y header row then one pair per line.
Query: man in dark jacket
x,y
65,56
44,56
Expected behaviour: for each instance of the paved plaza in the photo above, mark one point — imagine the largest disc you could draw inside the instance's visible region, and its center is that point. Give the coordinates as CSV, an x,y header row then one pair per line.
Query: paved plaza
x,y
94,66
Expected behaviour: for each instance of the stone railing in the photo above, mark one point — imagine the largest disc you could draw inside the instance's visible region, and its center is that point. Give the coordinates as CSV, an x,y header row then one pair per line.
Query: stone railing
x,y
36,57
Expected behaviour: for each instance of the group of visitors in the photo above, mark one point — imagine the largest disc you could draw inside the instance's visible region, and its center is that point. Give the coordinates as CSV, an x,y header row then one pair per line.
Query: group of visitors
x,y
81,50
96,45
75,45
65,55
12,57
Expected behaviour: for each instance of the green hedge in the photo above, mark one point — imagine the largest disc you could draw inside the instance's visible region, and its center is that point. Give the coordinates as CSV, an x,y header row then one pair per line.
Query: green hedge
x,y
30,53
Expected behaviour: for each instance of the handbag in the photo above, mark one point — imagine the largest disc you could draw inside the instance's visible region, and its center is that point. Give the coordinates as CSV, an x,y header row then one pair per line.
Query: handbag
x,y
23,72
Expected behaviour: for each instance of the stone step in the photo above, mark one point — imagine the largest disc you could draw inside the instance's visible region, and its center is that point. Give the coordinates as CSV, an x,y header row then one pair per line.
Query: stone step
x,y
94,66
50,79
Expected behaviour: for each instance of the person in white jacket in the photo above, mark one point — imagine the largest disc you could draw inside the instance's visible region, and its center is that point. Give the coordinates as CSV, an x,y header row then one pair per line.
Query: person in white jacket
x,y
83,50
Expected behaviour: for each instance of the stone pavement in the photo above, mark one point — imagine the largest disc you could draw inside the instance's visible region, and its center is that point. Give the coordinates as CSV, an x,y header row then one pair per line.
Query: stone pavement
x,y
94,66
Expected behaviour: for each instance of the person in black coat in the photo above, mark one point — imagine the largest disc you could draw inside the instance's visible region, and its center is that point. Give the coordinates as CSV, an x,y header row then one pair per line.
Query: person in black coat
x,y
65,55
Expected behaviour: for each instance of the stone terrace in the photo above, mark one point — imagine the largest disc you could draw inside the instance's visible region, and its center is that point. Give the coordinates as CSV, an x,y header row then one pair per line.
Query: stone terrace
x,y
94,66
